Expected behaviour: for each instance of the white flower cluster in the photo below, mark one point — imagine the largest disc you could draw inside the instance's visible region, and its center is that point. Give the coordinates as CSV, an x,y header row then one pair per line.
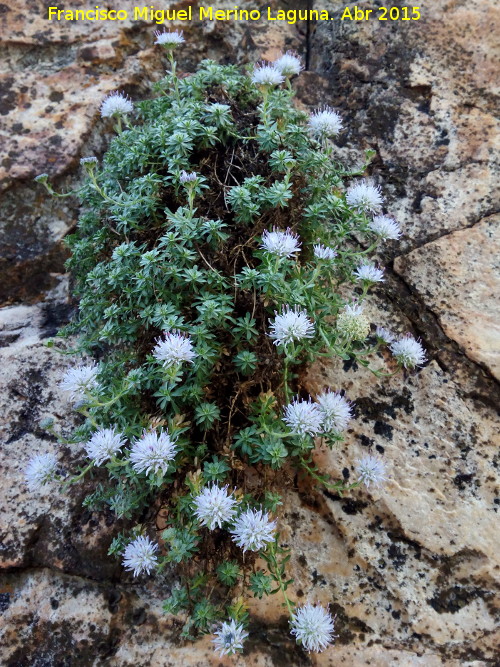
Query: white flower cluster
x,y
252,530
291,325
385,335
175,348
104,444
365,197
303,417
324,252
371,470
325,122
408,352
78,381
385,227
91,160
187,177
169,39
214,506
312,627
153,453
267,75
289,64
331,413
369,273
140,555
116,104
284,244
229,639
40,471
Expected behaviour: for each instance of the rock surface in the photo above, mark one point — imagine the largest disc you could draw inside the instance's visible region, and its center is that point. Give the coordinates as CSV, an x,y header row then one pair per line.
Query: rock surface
x,y
411,570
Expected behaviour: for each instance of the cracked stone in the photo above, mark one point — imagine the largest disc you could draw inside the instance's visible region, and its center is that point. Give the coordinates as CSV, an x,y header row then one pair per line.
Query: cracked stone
x,y
458,277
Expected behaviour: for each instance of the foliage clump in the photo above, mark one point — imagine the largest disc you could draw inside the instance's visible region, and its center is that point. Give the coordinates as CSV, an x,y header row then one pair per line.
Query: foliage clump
x,y
208,262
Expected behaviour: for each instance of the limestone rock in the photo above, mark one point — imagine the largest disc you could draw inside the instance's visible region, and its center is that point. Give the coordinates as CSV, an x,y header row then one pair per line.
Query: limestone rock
x,y
458,276
422,94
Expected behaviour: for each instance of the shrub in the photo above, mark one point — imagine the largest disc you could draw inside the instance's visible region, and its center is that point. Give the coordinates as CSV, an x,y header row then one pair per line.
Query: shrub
x,y
208,261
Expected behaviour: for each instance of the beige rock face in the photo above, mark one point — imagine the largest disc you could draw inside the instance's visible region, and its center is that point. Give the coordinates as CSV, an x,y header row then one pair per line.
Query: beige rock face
x,y
423,94
411,570
458,276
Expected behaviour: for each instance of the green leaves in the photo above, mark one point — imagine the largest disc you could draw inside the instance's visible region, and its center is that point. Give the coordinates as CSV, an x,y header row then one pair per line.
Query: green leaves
x,y
229,572
181,544
206,414
158,251
215,471
261,584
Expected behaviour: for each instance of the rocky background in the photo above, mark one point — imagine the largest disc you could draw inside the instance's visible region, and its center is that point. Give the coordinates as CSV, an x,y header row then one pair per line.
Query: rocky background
x,y
411,570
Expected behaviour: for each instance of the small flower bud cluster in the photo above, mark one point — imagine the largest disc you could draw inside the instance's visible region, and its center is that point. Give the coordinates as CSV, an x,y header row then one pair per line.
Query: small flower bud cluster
x,y
352,323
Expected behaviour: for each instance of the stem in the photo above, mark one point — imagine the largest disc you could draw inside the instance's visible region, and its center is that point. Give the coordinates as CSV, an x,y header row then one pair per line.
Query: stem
x,y
274,572
337,486
173,71
73,480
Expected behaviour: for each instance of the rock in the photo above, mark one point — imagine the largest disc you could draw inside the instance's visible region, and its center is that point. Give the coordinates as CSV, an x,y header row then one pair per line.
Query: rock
x,y
46,528
458,277
411,569
422,94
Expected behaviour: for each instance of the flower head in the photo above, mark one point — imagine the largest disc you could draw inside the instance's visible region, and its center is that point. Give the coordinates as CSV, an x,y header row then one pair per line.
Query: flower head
x,y
186,177
169,39
324,252
369,273
214,506
291,325
80,380
153,453
303,417
267,75
313,627
408,352
229,639
40,471
335,410
41,178
385,227
174,348
284,244
325,122
252,530
351,322
371,470
365,197
288,64
91,160
116,104
385,335
104,444
140,556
